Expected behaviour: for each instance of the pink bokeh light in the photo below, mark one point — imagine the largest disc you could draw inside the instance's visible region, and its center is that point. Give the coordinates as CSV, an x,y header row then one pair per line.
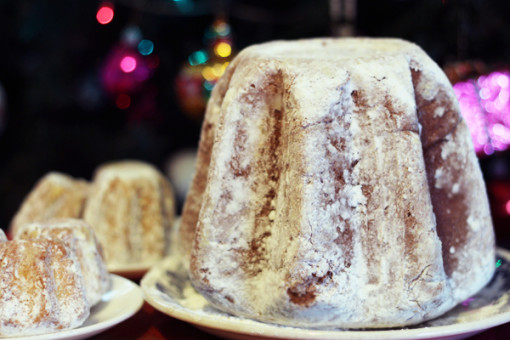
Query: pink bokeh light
x,y
125,71
128,64
485,105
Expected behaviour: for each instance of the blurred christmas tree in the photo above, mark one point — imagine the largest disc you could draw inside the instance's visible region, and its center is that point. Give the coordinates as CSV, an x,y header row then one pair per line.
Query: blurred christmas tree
x,y
91,81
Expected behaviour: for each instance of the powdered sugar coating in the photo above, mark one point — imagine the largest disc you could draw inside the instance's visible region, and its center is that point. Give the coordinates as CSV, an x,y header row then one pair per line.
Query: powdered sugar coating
x,y
328,166
55,195
78,236
131,208
41,288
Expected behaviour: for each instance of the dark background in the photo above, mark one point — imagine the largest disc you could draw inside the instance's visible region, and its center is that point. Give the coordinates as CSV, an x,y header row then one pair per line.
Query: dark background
x,y
56,114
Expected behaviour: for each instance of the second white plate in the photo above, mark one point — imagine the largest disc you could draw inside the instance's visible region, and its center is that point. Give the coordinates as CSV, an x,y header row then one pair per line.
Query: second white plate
x,y
123,300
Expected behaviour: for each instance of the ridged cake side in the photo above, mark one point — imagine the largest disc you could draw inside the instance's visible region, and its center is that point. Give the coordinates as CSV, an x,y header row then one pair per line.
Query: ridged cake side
x,y
55,195
316,207
131,208
41,288
78,236
196,190
457,189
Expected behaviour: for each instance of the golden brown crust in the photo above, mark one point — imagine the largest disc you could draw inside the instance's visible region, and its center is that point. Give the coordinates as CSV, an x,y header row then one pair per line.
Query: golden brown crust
x,y
41,288
79,237
131,208
55,195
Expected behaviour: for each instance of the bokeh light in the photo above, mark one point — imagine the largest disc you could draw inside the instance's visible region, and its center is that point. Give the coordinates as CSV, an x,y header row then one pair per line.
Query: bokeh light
x,y
128,64
208,73
185,6
208,85
145,47
204,67
105,13
153,61
123,101
125,70
222,49
198,57
222,28
485,106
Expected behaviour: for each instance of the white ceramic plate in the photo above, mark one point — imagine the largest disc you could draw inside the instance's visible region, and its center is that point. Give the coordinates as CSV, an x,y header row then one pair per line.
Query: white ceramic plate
x,y
167,288
123,300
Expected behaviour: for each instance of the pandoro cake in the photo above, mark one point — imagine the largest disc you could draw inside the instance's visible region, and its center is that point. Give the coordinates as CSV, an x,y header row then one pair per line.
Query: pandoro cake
x,y
336,186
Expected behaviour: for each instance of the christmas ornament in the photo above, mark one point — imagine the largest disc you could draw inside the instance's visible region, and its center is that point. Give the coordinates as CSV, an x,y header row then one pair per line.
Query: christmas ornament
x,y
128,66
203,69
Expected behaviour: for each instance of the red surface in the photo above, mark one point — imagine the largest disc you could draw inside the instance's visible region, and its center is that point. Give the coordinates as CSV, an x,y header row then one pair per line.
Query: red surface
x,y
150,324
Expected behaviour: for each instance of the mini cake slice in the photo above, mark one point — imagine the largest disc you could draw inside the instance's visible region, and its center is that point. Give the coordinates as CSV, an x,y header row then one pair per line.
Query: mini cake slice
x,y
41,288
131,208
55,195
79,236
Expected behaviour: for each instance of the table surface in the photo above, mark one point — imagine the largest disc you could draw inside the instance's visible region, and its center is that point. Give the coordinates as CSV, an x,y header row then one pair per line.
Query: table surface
x,y
150,324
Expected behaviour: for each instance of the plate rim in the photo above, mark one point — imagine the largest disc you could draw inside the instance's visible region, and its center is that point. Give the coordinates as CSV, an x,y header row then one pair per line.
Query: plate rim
x,y
258,328
86,331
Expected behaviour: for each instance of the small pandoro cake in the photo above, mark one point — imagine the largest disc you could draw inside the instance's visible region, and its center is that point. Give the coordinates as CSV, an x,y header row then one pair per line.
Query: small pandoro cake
x,y
131,208
54,195
336,186
41,288
79,236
